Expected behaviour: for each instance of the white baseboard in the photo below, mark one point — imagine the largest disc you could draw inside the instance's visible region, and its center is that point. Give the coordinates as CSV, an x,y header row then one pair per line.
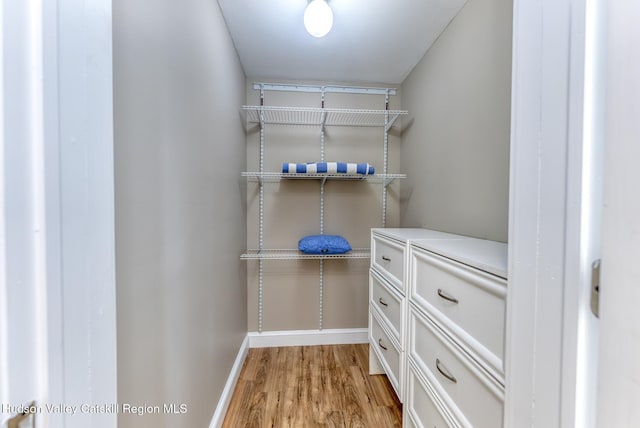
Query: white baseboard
x,y
268,339
230,386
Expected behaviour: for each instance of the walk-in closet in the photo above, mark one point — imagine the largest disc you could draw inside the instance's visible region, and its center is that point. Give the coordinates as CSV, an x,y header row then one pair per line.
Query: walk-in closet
x,y
300,213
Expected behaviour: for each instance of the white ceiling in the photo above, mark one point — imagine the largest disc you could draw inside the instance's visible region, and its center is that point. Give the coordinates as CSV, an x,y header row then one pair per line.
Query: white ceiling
x,y
375,41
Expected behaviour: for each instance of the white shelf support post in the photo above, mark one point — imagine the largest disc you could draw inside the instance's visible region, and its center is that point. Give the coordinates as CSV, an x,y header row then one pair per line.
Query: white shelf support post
x,y
261,218
321,296
385,158
322,182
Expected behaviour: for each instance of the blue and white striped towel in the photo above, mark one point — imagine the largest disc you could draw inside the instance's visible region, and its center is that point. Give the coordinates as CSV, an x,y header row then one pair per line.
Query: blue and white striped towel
x,y
348,168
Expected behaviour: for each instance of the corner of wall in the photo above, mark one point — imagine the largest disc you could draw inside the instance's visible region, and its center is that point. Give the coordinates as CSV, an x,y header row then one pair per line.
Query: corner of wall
x,y
455,145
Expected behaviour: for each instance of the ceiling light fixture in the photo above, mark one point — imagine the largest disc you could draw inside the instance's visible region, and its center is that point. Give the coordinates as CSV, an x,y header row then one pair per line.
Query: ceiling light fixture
x,y
318,18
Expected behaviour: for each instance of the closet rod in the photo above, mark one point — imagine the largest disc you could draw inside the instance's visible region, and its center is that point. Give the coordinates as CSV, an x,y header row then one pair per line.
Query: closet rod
x,y
319,88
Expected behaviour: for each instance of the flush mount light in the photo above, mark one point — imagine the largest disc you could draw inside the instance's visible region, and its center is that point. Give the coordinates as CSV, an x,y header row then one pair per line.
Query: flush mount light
x,y
318,18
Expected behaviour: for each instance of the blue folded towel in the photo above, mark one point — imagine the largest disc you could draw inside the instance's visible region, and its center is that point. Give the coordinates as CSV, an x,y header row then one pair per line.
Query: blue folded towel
x,y
348,168
324,244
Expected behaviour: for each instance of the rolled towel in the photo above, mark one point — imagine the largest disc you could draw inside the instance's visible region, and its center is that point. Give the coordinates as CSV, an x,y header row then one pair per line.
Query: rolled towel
x,y
347,168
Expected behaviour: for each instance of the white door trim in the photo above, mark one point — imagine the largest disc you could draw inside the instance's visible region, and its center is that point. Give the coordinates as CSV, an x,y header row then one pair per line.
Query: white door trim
x,y
57,223
547,256
24,372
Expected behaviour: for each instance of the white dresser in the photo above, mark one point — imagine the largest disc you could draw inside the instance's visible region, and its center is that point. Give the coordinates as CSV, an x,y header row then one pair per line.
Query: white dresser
x,y
442,326
388,303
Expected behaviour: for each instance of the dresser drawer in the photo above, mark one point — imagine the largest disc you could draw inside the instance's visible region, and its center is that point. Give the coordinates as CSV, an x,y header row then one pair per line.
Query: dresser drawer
x,y
468,303
388,303
386,350
473,397
387,257
421,404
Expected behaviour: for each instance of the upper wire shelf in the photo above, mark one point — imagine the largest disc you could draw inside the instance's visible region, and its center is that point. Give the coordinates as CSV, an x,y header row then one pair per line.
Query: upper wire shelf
x,y
266,115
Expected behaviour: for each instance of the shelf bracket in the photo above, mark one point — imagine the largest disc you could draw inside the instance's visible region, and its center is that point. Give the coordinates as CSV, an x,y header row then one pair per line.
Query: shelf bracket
x,y
388,181
323,116
392,120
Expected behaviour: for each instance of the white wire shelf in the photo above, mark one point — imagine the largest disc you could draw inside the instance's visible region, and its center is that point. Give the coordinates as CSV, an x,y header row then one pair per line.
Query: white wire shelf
x,y
293,254
275,115
323,88
277,176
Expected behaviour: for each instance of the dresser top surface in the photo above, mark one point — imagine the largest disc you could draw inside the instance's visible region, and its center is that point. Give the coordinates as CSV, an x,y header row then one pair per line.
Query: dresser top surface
x,y
406,234
489,256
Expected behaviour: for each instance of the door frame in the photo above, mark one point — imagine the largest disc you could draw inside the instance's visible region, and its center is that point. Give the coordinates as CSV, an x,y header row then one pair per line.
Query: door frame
x,y
57,90
552,236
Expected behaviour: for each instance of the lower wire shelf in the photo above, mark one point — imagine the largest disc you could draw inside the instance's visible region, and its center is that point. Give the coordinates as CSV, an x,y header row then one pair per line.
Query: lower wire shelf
x,y
293,254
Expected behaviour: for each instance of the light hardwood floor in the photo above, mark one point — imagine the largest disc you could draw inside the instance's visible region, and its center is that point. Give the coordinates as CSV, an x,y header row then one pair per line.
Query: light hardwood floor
x,y
312,386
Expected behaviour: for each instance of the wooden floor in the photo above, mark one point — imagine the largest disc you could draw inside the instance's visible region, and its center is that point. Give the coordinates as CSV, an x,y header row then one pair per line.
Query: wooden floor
x,y
312,386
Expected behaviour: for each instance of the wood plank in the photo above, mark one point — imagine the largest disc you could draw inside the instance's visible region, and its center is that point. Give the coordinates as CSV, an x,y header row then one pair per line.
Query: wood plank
x,y
312,386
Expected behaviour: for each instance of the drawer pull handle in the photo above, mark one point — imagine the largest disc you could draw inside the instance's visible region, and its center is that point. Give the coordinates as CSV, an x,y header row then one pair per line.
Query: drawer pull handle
x,y
443,370
447,297
382,302
386,259
381,345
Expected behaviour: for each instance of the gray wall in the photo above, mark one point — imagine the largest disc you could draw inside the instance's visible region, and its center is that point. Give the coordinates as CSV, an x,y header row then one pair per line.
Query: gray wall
x,y
292,210
456,147
180,207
